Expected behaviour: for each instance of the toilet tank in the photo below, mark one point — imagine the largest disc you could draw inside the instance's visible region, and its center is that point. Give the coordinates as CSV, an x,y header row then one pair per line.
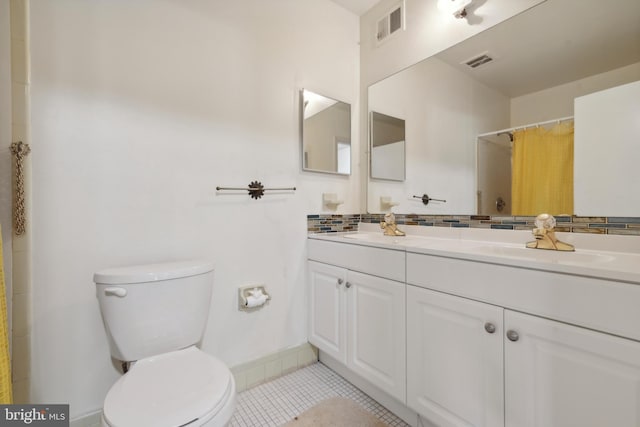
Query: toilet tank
x,y
154,308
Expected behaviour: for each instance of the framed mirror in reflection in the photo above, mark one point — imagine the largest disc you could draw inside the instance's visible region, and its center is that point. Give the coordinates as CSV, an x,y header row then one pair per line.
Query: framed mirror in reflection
x,y
326,134
539,62
387,147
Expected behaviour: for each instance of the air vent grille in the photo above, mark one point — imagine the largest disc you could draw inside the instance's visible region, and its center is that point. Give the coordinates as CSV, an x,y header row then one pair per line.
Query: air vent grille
x,y
479,60
383,29
395,20
390,23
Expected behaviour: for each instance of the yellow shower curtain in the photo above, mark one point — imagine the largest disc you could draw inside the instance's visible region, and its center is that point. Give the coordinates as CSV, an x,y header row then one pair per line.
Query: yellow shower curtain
x,y
5,357
542,171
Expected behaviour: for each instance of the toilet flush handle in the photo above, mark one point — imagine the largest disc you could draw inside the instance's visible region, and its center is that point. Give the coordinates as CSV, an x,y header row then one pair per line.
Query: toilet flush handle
x,y
119,292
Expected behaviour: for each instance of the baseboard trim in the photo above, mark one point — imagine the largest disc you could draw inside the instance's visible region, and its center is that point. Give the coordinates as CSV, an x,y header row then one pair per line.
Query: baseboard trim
x,y
272,366
89,420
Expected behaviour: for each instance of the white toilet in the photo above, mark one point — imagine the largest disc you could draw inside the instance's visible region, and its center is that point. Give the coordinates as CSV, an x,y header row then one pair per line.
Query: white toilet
x,y
154,316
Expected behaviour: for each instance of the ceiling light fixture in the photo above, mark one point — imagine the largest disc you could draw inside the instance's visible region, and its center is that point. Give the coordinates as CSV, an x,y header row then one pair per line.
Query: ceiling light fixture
x,y
456,8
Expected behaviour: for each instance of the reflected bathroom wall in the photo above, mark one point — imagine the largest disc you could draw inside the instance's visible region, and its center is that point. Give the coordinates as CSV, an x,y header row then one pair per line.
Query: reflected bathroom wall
x,y
326,134
442,108
494,175
387,147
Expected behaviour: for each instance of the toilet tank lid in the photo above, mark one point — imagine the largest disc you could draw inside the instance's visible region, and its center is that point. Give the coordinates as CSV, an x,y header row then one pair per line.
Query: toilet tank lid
x,y
152,272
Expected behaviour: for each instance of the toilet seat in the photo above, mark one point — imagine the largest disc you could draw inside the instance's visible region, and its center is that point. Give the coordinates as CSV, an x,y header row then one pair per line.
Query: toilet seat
x,y
172,389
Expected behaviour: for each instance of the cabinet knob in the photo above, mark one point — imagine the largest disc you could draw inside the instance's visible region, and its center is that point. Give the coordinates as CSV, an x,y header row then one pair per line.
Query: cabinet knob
x,y
490,327
512,335
340,281
348,285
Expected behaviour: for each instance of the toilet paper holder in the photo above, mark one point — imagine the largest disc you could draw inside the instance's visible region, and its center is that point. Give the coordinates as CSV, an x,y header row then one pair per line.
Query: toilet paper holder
x,y
252,298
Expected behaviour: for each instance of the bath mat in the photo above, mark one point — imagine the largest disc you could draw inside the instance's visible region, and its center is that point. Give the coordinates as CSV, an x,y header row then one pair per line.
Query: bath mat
x,y
336,412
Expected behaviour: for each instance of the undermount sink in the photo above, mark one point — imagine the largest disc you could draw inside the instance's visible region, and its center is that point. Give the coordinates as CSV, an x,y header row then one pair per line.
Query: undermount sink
x,y
484,248
389,240
378,238
359,236
544,254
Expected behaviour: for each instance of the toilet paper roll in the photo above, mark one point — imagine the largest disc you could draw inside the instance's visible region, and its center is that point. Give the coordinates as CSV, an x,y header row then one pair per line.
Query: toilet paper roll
x,y
253,301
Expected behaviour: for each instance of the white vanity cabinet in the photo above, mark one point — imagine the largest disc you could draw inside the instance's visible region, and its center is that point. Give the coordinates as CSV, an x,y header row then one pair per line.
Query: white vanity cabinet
x,y
376,340
327,309
562,375
454,359
357,318
488,363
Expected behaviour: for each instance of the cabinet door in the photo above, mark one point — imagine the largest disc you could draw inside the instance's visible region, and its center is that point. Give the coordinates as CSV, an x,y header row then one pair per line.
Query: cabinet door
x,y
454,359
376,325
562,375
327,305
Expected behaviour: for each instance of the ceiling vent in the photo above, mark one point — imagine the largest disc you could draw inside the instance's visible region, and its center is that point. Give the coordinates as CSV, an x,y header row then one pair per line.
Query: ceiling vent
x,y
391,23
478,60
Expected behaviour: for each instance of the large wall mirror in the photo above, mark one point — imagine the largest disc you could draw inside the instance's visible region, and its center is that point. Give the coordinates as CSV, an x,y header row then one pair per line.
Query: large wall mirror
x,y
531,69
326,134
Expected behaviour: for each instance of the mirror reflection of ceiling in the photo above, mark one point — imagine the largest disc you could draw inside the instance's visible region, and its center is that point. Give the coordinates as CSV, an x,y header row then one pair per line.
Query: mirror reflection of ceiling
x,y
315,103
568,40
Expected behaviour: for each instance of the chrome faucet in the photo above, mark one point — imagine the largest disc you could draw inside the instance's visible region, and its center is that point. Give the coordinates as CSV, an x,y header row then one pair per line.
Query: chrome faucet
x,y
389,225
545,235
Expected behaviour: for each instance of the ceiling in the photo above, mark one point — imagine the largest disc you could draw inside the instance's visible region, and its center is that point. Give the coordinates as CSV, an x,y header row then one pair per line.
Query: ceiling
x,y
553,43
359,7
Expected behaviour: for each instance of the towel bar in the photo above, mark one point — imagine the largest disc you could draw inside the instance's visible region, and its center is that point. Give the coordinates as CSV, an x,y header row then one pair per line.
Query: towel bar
x,y
256,189
426,199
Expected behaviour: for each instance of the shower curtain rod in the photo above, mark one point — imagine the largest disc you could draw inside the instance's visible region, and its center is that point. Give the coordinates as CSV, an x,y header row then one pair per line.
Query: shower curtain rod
x,y
563,119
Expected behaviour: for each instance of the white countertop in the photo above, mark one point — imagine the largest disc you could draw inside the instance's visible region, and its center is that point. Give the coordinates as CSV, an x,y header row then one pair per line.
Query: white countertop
x,y
601,256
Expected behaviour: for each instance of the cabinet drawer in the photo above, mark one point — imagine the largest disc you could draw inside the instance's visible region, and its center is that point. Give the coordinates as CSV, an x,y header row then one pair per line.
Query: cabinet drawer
x,y
380,262
598,304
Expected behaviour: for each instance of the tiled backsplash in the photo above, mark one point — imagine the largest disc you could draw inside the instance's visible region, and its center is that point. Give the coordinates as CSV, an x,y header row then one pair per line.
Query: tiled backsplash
x,y
332,223
575,224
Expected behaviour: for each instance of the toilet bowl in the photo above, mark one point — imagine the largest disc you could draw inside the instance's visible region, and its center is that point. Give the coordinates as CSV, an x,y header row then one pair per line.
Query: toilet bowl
x,y
154,316
183,388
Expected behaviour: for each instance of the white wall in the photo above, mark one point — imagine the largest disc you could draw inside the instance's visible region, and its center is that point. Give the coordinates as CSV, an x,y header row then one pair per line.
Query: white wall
x,y
557,101
6,201
607,130
322,132
139,110
436,102
494,176
387,161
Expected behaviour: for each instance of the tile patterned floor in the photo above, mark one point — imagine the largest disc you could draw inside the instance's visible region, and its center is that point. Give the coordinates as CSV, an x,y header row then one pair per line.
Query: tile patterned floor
x,y
278,401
